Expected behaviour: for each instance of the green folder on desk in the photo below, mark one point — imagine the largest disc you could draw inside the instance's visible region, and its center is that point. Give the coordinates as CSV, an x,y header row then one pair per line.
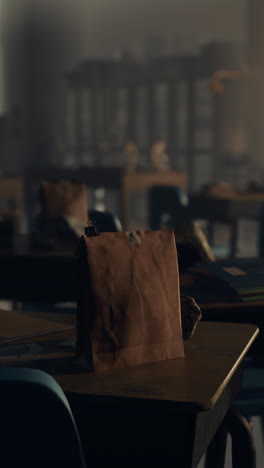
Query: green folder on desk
x,y
240,279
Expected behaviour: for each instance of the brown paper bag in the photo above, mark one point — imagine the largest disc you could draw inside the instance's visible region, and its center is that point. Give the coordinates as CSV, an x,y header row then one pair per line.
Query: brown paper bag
x,y
65,199
129,303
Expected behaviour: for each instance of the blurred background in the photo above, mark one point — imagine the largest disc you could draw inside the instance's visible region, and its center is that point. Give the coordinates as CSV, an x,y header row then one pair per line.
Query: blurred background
x,y
79,80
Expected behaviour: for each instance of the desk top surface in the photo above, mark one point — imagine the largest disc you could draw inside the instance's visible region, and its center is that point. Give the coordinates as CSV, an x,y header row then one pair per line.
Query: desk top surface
x,y
193,383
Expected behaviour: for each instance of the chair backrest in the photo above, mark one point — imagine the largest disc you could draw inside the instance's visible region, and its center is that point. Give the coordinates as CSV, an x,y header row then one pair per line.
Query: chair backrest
x,y
167,201
11,199
105,221
38,428
172,202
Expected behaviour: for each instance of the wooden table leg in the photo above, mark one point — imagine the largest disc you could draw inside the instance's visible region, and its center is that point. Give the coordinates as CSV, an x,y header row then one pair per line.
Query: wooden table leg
x,y
216,452
234,238
243,447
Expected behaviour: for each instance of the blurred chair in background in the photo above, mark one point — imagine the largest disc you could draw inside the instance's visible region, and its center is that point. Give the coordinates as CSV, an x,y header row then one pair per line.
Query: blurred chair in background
x,y
105,221
168,207
192,246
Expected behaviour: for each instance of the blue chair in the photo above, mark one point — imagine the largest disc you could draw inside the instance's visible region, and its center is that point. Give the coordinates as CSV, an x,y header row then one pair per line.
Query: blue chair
x,y
105,221
167,205
38,428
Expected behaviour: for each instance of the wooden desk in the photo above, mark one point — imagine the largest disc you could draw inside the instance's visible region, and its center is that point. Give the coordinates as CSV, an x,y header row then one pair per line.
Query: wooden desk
x,y
229,209
159,414
109,178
